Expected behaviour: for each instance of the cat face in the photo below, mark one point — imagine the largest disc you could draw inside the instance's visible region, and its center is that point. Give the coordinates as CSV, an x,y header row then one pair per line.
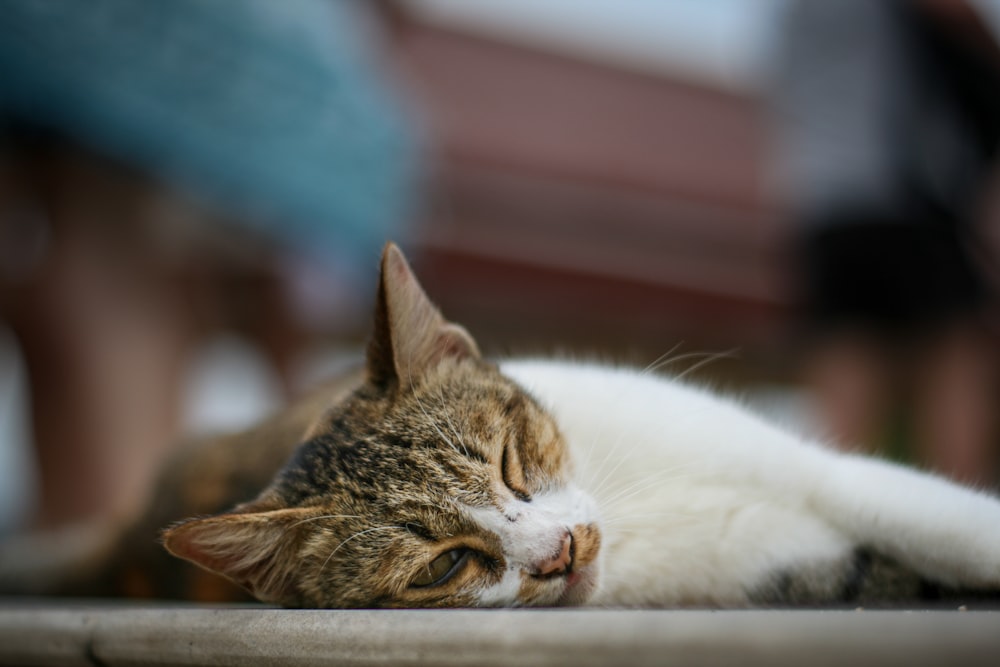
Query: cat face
x,y
452,492
438,483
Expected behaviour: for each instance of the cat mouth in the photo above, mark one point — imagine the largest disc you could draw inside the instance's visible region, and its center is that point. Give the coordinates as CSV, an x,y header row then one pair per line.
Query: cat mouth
x,y
579,586
570,577
582,574
562,564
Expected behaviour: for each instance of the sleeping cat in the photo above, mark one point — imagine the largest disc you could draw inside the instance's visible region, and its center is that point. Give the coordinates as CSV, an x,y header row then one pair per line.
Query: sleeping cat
x,y
436,478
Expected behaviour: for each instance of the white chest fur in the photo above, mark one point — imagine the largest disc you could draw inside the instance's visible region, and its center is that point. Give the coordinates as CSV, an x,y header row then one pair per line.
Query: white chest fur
x,y
702,500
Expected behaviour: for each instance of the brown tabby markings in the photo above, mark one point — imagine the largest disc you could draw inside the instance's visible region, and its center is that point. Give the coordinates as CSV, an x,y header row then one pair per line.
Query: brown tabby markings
x,y
393,476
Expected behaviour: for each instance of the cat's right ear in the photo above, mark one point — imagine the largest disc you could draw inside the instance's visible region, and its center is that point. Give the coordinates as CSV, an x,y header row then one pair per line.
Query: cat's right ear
x,y
257,550
410,336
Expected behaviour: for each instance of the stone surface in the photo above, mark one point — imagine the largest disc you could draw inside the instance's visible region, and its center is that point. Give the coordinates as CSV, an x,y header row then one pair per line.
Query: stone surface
x,y
112,634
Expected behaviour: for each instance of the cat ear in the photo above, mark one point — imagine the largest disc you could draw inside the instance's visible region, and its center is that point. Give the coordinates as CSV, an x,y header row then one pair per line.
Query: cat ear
x,y
256,550
410,334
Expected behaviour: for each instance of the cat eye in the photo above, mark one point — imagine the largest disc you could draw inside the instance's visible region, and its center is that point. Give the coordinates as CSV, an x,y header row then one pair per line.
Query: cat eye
x,y
442,568
513,473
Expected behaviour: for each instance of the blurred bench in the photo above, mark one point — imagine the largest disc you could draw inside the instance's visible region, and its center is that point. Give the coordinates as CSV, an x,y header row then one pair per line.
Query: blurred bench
x,y
589,204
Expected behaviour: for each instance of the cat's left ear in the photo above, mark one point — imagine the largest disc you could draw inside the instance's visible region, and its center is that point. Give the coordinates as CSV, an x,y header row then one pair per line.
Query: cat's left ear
x,y
410,336
257,550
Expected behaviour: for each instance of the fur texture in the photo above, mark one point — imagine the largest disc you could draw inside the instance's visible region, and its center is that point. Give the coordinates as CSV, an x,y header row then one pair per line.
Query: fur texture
x,y
706,504
439,479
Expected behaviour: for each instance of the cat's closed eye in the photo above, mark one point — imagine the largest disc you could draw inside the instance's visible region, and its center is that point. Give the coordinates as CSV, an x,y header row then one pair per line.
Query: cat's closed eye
x,y
442,568
512,472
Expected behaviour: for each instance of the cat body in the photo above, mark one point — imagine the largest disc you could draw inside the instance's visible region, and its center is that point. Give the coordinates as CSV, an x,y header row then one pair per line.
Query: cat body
x,y
436,478
704,503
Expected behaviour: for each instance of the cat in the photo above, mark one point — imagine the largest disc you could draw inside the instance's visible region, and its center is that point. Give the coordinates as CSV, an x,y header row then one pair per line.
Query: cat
x,y
436,478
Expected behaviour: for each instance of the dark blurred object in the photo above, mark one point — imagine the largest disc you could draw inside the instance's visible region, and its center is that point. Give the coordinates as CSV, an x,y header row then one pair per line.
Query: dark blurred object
x,y
167,168
888,125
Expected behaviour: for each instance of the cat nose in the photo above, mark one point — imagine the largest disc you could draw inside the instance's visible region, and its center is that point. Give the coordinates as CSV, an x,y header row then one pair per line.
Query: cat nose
x,y
561,562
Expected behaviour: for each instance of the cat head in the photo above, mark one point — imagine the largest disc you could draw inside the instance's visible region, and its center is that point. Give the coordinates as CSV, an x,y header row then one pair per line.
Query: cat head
x,y
438,483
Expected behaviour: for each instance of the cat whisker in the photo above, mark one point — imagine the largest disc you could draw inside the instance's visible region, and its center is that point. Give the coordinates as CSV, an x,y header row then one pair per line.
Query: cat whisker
x,y
688,416
633,490
448,422
321,517
612,454
600,475
599,488
664,359
437,429
621,459
613,450
705,357
353,537
616,514
660,361
647,481
607,456
625,518
710,358
420,405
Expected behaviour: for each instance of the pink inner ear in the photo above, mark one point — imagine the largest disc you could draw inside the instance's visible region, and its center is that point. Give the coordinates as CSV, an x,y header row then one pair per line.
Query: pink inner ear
x,y
254,549
454,341
234,543
413,333
211,543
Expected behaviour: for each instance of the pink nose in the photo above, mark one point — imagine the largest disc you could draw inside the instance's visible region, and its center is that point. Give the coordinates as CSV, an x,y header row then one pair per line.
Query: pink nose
x,y
562,561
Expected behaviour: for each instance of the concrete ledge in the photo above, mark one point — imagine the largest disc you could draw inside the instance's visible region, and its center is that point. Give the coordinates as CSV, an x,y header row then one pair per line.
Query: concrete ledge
x,y
111,634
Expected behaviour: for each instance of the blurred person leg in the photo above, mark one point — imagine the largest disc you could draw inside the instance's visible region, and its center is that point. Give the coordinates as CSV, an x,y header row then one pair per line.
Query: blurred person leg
x,y
275,116
104,335
955,410
849,379
886,127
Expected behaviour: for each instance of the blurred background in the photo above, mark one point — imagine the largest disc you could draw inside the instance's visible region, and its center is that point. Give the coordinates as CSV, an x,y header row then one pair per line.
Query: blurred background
x,y
194,196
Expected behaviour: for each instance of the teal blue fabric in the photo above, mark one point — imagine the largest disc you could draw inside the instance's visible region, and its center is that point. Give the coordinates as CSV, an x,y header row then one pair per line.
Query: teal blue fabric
x,y
274,111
